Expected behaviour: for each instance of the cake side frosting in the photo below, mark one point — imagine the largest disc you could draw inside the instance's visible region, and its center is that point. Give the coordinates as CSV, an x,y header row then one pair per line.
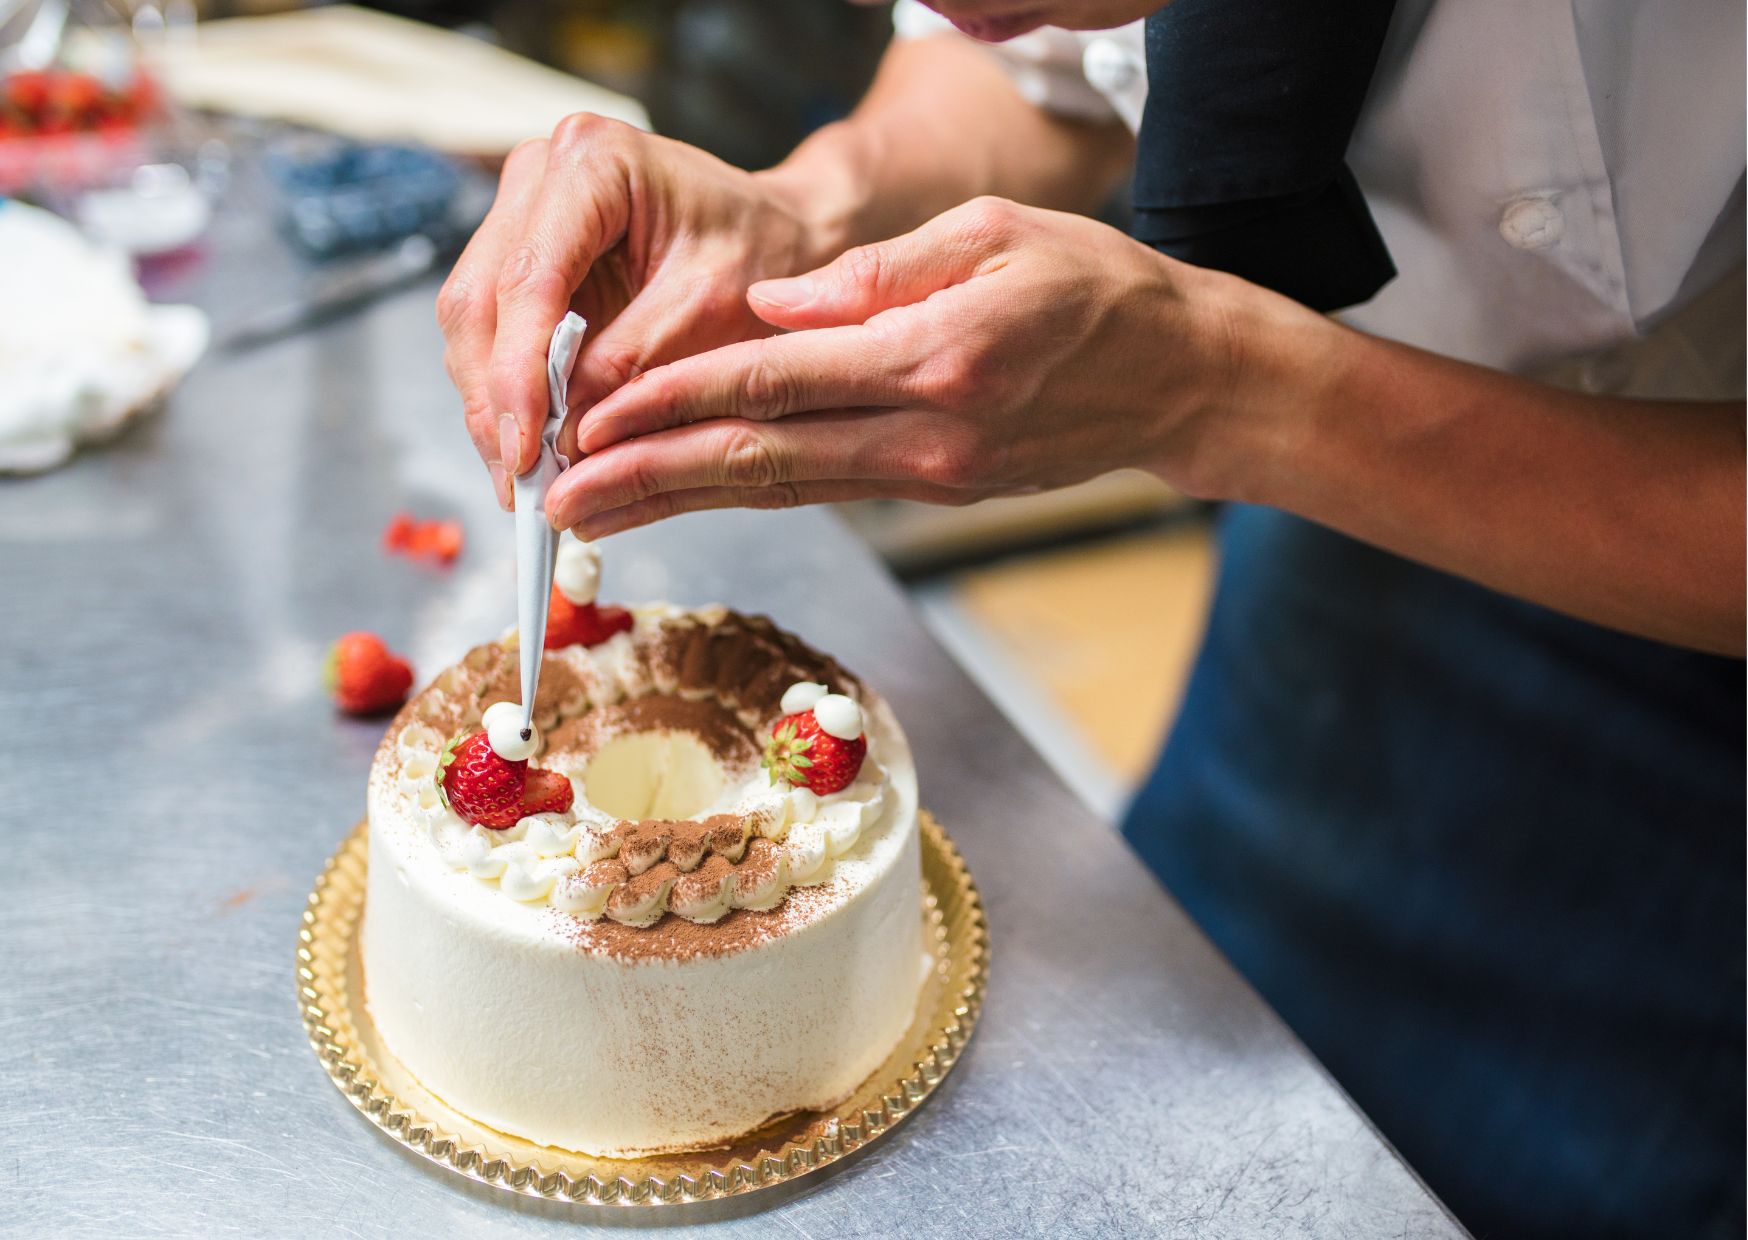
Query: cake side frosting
x,y
544,1031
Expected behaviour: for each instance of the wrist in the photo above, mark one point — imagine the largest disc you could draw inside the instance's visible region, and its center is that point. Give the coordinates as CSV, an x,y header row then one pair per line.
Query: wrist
x,y
820,187
1270,368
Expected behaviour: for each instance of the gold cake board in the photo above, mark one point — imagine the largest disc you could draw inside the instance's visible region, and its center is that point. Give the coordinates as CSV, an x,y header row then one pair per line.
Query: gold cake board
x,y
330,993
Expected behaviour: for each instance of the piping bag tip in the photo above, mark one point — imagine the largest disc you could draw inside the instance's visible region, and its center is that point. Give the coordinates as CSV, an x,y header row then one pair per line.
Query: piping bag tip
x,y
536,540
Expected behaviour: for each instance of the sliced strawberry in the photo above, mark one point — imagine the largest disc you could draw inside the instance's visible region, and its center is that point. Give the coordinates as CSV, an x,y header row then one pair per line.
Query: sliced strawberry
x,y
29,90
443,540
565,625
398,534
546,792
406,535
77,94
141,95
494,792
568,624
479,786
605,622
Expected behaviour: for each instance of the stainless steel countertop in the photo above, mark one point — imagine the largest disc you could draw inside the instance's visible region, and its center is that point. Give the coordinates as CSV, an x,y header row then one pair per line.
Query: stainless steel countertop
x,y
172,779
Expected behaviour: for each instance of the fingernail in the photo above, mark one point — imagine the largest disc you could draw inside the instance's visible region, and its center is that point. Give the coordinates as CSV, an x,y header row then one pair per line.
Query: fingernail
x,y
500,483
787,294
509,440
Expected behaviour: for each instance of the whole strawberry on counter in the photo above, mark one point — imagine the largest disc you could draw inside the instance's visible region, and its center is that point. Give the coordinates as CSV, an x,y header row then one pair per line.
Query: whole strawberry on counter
x,y
818,744
485,777
364,676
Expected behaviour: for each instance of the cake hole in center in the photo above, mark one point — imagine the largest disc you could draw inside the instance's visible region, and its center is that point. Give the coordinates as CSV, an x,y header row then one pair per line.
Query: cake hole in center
x,y
653,775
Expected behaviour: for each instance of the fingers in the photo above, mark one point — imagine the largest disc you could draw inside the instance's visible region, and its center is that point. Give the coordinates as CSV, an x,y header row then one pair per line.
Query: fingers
x,y
790,495
760,380
578,213
683,310
467,304
859,284
735,455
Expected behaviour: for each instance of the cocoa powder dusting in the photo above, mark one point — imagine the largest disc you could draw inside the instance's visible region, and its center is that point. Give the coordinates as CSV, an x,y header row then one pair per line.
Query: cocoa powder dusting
x,y
641,886
642,844
675,938
703,885
743,663
717,728
559,682
609,871
744,660
760,867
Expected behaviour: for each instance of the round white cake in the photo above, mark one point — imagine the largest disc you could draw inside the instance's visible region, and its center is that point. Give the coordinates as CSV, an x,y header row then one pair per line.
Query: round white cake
x,y
690,950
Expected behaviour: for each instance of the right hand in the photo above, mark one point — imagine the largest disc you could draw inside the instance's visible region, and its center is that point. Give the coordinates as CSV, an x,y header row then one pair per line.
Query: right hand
x,y
652,241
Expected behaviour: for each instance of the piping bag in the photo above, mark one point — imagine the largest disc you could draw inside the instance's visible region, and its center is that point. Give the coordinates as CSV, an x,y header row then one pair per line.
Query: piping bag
x,y
536,540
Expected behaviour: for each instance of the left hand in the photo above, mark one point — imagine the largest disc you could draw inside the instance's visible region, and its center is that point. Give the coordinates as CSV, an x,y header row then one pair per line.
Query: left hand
x,y
998,349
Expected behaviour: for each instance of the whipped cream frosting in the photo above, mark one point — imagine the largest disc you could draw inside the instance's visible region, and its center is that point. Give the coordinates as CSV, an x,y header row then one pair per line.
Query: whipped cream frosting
x,y
503,724
592,1035
801,696
838,716
594,861
577,570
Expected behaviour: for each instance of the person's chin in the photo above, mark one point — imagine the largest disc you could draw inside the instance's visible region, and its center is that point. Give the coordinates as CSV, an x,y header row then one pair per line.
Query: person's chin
x,y
998,28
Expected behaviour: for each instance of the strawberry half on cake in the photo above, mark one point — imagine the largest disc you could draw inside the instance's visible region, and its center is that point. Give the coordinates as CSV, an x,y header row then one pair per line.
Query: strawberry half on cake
x,y
689,902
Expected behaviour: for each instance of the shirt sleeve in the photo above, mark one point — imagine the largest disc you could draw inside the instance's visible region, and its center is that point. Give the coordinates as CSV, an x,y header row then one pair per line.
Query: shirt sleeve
x,y
1044,66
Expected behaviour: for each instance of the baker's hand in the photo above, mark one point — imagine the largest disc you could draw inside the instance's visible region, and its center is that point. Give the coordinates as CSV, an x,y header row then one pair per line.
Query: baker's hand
x,y
654,242
997,349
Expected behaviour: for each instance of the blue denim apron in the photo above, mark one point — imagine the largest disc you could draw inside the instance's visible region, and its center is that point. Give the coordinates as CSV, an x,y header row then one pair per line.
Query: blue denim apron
x,y
1488,862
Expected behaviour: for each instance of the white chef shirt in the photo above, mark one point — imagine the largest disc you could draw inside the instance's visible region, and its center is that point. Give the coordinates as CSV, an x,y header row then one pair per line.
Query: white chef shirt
x,y
1560,182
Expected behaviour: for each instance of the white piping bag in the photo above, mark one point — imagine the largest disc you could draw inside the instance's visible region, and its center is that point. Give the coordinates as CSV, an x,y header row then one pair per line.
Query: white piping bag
x,y
536,540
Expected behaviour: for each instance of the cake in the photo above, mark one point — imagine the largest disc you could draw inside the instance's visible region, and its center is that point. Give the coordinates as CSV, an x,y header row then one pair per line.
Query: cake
x,y
699,941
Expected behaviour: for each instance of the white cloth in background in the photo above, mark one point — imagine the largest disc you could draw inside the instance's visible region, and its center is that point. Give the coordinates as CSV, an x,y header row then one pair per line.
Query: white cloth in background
x,y
81,351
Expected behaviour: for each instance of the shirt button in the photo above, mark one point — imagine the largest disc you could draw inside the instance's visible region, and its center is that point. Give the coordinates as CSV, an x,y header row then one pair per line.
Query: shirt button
x,y
1110,67
1532,223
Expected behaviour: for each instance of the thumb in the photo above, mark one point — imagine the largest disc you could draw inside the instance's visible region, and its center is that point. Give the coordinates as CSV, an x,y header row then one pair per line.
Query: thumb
x,y
868,279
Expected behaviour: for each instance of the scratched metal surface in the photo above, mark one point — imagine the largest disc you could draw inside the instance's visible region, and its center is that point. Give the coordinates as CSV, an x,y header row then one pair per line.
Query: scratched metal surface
x,y
173,779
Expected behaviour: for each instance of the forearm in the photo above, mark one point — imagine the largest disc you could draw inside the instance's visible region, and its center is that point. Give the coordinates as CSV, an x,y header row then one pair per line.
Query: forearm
x,y
1628,513
940,125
